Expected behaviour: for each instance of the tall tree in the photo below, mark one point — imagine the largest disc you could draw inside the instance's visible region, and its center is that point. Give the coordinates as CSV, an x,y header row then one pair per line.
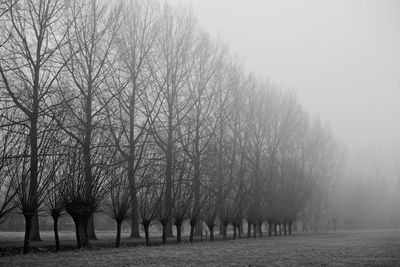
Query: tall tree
x,y
29,65
170,75
128,118
83,89
198,127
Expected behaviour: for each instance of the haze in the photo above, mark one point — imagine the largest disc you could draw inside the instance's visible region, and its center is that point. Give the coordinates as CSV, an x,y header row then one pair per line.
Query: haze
x,y
341,57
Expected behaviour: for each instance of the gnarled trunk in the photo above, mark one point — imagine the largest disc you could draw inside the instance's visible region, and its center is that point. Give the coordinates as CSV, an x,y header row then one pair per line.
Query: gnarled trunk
x,y
80,214
118,237
80,230
28,226
35,232
146,233
178,232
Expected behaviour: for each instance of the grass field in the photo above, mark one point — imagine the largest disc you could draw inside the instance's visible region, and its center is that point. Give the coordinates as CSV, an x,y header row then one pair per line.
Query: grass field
x,y
344,248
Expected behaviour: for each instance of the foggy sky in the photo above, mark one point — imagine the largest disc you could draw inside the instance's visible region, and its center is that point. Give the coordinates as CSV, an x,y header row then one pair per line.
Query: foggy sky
x,y
341,57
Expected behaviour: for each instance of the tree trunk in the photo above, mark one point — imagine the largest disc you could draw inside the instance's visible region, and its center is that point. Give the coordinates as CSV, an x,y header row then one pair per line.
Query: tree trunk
x,y
169,174
35,231
146,233
131,166
196,182
178,232
80,231
275,229
234,232
225,232
192,228
56,237
248,230
221,226
211,228
77,234
28,227
285,229
135,233
118,237
91,234
260,229
164,232
269,229
280,229
255,230
240,228
290,228
34,234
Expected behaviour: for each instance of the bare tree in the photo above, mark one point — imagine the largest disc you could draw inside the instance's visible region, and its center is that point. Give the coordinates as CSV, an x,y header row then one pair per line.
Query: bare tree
x,y
56,169
170,74
29,66
150,194
82,89
10,153
129,120
119,205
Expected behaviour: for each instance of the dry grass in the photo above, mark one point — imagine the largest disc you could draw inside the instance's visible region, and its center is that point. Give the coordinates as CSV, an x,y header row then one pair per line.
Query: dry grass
x,y
353,248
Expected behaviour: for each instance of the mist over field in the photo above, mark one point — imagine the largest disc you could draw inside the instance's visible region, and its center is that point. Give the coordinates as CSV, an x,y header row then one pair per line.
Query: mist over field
x,y
341,59
150,122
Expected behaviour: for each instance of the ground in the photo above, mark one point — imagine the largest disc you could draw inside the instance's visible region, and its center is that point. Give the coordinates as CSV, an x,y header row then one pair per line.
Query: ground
x,y
342,248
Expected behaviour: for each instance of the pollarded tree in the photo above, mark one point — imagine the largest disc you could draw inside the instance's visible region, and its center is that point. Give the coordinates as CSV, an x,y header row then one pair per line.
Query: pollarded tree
x,y
199,125
83,89
29,65
56,174
46,171
79,202
170,73
119,204
150,193
132,79
259,109
182,199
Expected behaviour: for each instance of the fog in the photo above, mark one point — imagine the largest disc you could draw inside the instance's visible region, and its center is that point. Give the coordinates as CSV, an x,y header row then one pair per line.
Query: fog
x,y
184,118
341,57
342,60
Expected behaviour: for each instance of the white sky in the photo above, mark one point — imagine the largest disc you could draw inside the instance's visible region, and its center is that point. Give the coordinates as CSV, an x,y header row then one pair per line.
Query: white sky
x,y
342,57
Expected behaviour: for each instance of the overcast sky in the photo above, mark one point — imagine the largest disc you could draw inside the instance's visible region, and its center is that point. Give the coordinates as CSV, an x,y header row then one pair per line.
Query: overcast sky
x,y
342,57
